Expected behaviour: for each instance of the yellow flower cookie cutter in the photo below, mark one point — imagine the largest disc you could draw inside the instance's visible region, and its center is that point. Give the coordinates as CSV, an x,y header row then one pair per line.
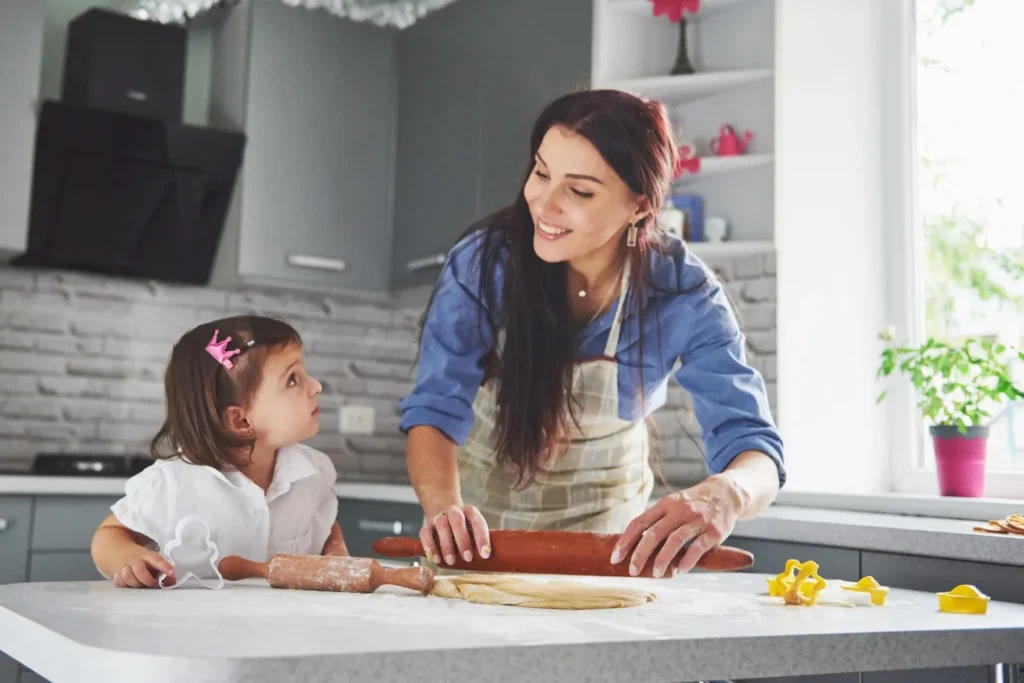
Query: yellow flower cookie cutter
x,y
869,585
801,588
964,599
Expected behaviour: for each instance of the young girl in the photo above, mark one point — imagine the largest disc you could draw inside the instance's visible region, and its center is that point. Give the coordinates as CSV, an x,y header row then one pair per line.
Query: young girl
x,y
238,402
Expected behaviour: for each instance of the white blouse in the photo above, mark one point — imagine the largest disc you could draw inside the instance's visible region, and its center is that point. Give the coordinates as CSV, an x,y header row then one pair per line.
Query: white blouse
x,y
294,516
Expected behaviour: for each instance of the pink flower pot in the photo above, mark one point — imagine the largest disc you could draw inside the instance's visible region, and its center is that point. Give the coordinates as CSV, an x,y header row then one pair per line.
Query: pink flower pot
x,y
960,460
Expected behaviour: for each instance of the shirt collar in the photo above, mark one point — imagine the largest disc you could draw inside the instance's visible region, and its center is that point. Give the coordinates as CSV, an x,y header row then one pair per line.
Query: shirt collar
x,y
291,466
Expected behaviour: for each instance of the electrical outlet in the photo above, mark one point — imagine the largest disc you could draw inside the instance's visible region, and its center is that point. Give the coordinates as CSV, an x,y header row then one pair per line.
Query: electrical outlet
x,y
355,420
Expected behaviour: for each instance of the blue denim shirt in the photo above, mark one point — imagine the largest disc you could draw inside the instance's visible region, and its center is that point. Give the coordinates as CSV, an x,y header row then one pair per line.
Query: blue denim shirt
x,y
698,329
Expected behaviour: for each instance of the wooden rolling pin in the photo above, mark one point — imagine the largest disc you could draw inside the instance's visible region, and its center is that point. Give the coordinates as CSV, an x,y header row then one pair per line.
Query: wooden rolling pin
x,y
559,552
326,573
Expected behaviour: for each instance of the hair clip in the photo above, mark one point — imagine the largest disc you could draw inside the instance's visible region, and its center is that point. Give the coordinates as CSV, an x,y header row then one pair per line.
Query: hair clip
x,y
219,350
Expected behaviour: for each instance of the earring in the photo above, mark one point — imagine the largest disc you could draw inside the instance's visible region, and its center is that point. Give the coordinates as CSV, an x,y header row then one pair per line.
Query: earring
x,y
631,235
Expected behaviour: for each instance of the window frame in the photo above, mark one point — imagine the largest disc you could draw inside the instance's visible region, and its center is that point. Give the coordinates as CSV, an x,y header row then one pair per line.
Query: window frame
x,y
904,259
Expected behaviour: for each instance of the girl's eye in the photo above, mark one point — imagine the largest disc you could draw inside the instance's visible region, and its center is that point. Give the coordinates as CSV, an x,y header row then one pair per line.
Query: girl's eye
x,y
540,175
584,195
293,379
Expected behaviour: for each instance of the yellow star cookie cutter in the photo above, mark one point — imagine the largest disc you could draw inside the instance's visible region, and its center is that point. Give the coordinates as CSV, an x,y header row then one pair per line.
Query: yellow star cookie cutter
x,y
801,588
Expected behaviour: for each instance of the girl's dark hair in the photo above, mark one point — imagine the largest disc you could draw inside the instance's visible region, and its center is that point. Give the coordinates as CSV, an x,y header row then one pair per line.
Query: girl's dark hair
x,y
198,389
534,368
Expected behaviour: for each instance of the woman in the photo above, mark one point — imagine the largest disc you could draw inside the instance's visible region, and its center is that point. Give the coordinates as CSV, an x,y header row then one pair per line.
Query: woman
x,y
550,336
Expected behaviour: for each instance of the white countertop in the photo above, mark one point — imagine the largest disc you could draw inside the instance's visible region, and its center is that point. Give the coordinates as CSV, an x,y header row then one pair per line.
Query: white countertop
x,y
701,626
32,485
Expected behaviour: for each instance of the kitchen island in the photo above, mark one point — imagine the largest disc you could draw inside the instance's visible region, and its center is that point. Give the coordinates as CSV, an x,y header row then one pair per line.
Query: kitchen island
x,y
701,626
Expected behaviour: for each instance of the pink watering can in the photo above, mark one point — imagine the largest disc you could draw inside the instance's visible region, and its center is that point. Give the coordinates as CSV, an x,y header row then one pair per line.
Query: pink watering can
x,y
728,144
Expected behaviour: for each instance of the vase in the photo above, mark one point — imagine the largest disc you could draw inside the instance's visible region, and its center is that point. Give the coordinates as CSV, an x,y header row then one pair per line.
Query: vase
x,y
682,65
960,460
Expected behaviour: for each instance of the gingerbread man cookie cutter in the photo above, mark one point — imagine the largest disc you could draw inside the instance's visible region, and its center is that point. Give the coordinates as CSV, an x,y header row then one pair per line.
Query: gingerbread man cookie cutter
x,y
192,550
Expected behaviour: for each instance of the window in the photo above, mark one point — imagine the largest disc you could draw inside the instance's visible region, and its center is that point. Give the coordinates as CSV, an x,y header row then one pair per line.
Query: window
x,y
966,124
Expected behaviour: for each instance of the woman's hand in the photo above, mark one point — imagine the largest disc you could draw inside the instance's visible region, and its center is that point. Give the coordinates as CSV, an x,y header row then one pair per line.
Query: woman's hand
x,y
703,516
142,572
449,530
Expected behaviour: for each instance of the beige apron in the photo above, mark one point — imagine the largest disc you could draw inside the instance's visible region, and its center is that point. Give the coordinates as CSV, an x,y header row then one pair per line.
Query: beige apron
x,y
600,483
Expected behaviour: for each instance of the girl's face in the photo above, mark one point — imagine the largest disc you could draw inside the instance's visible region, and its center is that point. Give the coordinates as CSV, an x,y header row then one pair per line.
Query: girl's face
x,y
284,408
579,204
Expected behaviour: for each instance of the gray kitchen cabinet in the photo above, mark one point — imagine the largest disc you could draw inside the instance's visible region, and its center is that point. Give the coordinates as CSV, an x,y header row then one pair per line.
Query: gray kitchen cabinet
x,y
536,51
21,52
71,565
473,77
960,674
770,557
934,574
15,525
318,103
62,532
364,521
437,174
812,678
68,522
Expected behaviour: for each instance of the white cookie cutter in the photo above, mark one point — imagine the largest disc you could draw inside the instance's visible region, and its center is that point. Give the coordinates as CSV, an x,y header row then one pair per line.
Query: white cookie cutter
x,y
200,563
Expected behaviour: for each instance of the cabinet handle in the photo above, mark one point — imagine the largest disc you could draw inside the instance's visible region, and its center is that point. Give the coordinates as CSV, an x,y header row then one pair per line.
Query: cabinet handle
x,y
318,262
385,527
435,260
4,524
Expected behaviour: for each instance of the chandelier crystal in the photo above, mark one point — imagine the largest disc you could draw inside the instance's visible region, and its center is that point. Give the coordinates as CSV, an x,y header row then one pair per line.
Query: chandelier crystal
x,y
395,13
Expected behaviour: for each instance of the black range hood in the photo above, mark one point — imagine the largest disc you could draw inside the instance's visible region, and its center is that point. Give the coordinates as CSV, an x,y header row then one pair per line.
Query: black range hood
x,y
120,194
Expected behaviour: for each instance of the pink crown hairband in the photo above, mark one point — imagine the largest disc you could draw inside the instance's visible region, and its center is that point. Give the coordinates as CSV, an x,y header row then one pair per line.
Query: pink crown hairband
x,y
219,350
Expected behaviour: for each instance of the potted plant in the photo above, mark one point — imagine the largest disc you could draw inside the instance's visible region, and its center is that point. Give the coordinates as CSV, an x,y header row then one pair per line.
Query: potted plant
x,y
958,386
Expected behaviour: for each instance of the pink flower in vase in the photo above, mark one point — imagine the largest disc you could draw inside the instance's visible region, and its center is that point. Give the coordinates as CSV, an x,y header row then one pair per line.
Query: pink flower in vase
x,y
673,9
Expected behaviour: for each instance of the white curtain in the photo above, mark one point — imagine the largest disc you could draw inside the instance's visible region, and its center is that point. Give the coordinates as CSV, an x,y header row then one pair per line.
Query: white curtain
x,y
396,13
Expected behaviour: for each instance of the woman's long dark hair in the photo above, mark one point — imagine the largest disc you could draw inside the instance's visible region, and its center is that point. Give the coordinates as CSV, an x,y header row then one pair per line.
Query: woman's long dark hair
x,y
533,368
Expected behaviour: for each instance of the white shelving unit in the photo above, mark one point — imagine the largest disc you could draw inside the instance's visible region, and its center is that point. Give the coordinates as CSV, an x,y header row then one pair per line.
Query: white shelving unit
x,y
681,89
731,44
711,166
738,248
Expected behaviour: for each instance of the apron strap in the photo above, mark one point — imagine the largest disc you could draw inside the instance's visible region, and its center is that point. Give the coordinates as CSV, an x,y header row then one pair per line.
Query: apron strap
x,y
613,334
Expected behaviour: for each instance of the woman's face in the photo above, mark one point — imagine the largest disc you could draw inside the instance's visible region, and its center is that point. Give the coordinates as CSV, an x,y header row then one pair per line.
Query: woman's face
x,y
579,205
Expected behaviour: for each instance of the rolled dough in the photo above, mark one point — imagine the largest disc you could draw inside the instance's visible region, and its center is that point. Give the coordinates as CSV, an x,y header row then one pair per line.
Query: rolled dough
x,y
501,589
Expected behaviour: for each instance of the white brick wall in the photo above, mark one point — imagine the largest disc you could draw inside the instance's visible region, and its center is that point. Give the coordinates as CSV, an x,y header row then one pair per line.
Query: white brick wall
x,y
750,282
82,359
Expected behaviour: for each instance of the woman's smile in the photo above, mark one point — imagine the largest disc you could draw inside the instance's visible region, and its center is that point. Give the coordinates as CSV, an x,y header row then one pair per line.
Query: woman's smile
x,y
551,232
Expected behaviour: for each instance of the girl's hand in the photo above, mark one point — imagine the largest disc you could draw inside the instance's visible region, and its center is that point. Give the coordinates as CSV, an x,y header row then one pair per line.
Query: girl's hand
x,y
142,572
335,543
450,531
703,516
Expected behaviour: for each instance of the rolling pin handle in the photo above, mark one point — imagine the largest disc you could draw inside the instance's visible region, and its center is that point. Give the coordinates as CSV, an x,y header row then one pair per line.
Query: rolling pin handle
x,y
235,568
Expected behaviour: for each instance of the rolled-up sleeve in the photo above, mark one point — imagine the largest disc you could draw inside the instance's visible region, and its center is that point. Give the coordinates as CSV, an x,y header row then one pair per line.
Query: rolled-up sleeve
x,y
456,335
730,400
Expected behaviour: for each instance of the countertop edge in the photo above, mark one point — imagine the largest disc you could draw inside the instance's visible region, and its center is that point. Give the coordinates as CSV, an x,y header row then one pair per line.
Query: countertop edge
x,y
652,659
